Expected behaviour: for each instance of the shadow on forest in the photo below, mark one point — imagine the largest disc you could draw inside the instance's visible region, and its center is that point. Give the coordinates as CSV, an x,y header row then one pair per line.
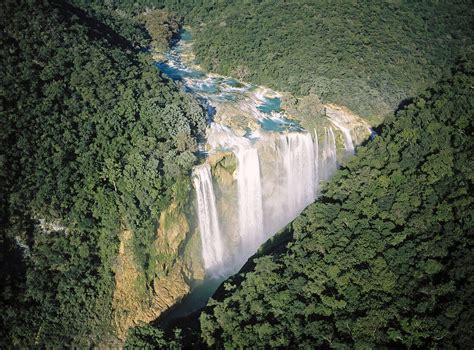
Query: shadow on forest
x,y
276,245
96,28
379,129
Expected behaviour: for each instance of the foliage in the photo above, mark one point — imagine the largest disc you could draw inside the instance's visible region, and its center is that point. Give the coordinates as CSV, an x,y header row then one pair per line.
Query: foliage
x,y
93,140
366,55
113,20
149,337
162,27
306,109
383,258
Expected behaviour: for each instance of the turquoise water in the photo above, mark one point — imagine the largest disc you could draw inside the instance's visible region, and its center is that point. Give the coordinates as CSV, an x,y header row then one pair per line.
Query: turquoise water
x,y
233,83
212,90
186,35
177,73
270,105
279,125
208,88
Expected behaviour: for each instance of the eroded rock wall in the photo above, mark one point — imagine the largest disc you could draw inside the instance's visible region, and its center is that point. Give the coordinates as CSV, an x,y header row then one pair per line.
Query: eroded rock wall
x,y
178,264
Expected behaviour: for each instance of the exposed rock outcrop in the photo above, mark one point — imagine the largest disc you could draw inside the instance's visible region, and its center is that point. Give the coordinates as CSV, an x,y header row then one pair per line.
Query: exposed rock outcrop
x,y
178,264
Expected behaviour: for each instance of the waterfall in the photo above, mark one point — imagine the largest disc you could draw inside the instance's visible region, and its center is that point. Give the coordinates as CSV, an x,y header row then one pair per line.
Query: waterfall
x,y
328,155
277,177
316,162
249,200
299,162
267,168
346,133
289,178
211,237
279,167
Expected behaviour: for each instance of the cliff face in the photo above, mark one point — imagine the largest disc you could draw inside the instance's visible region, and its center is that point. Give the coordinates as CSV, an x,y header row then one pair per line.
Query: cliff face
x,y
279,174
178,264
223,169
178,249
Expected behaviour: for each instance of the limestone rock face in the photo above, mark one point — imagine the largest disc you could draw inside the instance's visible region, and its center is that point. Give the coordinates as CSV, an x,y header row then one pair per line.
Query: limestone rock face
x,y
239,117
172,230
345,118
223,169
178,263
223,165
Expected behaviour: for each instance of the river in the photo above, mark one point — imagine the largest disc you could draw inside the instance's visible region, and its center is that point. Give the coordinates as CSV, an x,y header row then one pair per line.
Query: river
x,y
260,168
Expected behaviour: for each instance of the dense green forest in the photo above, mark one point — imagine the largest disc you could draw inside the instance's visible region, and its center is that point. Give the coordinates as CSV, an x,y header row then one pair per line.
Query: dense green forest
x,y
383,259
93,140
366,55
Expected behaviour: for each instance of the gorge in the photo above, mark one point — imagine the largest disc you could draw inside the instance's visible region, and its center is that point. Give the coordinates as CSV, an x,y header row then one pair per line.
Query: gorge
x,y
260,166
162,190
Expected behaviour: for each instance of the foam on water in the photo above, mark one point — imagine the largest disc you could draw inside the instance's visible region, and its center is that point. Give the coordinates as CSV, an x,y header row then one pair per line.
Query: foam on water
x,y
279,164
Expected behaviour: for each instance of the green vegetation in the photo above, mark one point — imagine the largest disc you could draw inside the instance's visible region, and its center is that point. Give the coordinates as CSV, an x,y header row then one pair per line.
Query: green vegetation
x,y
366,55
93,140
148,337
162,27
382,259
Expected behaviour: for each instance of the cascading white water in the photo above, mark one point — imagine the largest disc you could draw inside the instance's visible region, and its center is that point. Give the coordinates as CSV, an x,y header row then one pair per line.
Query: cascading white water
x,y
346,133
279,165
249,200
289,178
328,160
274,171
301,187
277,177
211,236
316,162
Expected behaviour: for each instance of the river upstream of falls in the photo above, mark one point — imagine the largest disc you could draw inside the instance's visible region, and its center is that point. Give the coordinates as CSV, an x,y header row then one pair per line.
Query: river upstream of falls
x,y
261,167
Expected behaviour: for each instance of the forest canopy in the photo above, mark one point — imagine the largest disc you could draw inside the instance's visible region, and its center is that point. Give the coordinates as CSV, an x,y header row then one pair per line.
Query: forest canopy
x,y
383,258
93,140
368,56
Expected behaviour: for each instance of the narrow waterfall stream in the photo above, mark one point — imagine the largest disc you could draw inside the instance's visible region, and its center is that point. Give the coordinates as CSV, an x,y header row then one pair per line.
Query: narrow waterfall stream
x,y
328,155
261,168
249,201
211,236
